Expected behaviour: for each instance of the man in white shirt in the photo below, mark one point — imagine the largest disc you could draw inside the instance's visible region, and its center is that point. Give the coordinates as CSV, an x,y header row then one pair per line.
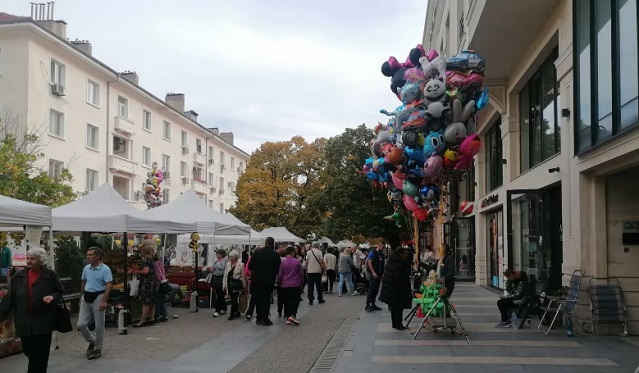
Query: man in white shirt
x,y
331,268
314,268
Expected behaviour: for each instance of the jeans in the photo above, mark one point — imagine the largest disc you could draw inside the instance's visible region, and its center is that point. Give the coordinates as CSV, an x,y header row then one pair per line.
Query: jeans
x,y
251,305
330,273
220,299
280,300
36,349
175,290
263,302
291,299
160,306
348,277
372,291
504,305
235,297
396,315
315,281
91,312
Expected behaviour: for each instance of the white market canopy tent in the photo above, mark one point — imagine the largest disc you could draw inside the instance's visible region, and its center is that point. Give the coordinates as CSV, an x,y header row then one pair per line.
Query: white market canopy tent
x,y
190,209
14,212
346,243
255,238
325,240
280,234
104,210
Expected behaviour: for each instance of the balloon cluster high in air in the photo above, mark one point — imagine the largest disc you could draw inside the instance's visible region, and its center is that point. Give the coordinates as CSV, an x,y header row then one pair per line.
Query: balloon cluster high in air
x,y
431,136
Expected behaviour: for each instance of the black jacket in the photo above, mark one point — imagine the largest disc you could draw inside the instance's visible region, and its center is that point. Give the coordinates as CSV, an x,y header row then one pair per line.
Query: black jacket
x,y
264,266
41,318
396,288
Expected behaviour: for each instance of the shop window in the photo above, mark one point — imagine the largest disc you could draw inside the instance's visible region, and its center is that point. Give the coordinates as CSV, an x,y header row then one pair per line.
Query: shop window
x,y
540,136
494,165
607,68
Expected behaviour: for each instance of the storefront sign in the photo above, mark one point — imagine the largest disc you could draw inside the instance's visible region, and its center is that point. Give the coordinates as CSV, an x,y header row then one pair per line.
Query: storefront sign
x,y
490,200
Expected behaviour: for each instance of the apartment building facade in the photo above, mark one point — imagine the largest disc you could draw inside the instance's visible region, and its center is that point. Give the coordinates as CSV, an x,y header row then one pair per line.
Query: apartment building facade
x,y
102,125
553,184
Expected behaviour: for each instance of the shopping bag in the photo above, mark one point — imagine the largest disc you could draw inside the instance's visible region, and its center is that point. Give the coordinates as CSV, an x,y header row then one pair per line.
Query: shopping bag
x,y
63,318
135,286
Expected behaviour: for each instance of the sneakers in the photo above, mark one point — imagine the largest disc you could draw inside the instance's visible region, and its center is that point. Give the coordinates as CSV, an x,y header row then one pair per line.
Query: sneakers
x,y
95,354
267,323
503,324
216,314
375,308
289,322
339,295
279,315
399,327
369,309
354,293
223,312
248,317
90,349
321,301
294,320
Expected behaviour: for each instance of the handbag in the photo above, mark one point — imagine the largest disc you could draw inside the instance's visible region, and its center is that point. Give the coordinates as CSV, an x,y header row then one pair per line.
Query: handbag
x,y
62,317
135,286
234,283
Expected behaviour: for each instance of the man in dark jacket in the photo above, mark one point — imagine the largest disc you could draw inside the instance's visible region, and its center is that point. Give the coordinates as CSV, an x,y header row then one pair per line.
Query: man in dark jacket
x,y
520,294
264,266
446,269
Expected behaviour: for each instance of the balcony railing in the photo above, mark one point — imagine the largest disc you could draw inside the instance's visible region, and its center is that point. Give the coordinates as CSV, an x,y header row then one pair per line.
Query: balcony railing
x,y
199,158
199,186
124,126
122,165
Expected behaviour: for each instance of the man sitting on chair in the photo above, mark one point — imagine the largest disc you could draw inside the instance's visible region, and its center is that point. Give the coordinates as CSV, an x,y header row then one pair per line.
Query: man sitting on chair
x,y
518,286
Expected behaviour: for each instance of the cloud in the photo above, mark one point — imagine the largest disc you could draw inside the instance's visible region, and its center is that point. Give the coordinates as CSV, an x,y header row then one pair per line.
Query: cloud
x,y
266,70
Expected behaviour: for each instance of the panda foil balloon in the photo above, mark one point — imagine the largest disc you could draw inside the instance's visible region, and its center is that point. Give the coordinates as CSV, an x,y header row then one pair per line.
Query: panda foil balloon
x,y
432,133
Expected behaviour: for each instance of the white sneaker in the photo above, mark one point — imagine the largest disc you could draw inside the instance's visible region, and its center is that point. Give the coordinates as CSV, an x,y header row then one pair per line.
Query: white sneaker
x,y
339,295
222,312
354,293
216,314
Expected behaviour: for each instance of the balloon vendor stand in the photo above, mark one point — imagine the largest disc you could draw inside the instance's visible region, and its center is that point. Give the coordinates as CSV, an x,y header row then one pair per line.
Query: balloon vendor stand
x,y
440,309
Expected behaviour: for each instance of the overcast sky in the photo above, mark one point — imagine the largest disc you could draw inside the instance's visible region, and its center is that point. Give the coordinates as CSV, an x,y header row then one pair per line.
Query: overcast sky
x,y
266,70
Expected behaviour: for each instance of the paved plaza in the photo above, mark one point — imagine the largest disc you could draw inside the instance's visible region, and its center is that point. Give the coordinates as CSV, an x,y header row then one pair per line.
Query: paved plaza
x,y
339,336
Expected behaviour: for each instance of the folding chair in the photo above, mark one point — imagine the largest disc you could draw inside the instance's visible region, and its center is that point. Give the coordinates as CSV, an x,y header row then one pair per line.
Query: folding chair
x,y
566,305
606,304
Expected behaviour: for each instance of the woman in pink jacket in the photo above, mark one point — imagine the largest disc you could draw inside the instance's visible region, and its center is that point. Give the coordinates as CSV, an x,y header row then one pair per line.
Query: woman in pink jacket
x,y
290,279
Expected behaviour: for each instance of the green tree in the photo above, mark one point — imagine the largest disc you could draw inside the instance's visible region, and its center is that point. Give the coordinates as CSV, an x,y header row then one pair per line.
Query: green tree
x,y
21,175
280,179
349,204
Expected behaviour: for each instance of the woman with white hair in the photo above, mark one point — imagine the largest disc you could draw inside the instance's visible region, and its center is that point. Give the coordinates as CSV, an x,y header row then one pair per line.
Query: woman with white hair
x,y
234,281
33,296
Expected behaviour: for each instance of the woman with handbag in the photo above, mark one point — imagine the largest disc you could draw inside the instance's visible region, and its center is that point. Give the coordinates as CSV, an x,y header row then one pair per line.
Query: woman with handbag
x,y
217,281
148,286
33,297
234,282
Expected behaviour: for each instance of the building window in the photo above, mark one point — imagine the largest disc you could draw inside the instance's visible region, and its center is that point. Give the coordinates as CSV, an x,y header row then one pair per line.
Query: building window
x,y
211,179
56,123
607,68
184,139
540,134
198,175
222,208
93,93
166,165
92,179
120,147
92,137
146,156
55,168
198,146
232,163
58,73
123,107
222,158
146,120
184,170
166,131
241,166
221,185
166,196
494,165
